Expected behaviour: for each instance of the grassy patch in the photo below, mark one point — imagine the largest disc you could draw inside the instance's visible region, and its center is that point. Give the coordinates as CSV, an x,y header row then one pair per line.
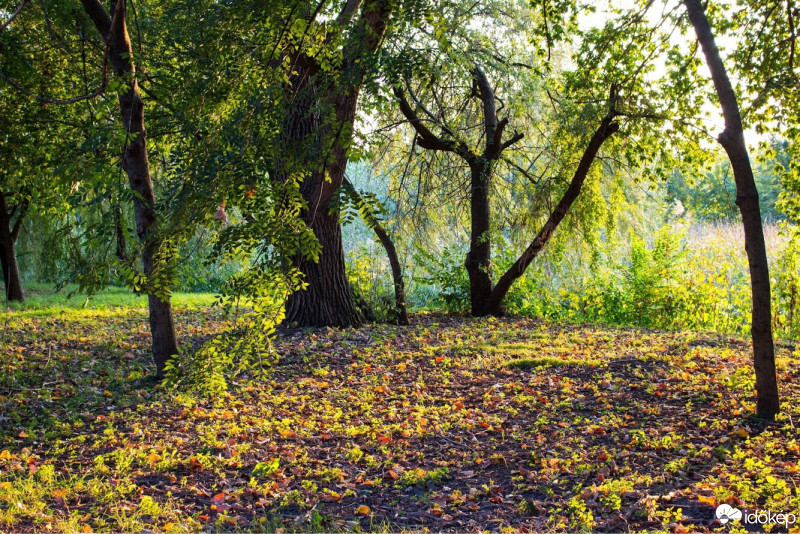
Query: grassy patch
x,y
44,300
532,363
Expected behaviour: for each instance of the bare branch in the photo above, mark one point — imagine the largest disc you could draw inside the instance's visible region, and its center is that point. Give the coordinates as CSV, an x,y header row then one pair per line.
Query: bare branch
x,y
425,137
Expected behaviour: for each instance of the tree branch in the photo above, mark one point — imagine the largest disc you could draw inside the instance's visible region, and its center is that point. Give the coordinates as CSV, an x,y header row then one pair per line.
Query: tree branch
x,y
425,137
486,96
23,210
348,11
99,16
606,129
14,14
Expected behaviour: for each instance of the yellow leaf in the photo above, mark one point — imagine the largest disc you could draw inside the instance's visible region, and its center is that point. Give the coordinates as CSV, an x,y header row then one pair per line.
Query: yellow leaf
x,y
5,455
742,433
362,510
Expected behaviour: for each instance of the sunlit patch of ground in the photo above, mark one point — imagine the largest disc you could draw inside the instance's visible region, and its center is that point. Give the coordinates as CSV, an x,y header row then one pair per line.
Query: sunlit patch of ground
x,y
449,424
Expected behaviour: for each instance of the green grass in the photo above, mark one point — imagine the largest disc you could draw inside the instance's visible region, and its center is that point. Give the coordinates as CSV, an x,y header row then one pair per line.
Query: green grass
x,y
520,355
44,299
531,363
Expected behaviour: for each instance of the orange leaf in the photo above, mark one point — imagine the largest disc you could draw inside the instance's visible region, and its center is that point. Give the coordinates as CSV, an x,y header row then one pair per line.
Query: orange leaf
x,y
362,510
711,501
194,464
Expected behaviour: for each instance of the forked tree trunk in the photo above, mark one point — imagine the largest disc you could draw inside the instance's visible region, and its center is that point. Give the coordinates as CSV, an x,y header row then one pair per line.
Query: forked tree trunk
x,y
114,31
732,140
493,304
478,260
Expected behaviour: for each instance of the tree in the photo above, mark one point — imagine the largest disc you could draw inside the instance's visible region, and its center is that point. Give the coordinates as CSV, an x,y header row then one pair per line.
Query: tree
x,y
733,141
114,32
370,216
11,217
485,297
322,97
478,261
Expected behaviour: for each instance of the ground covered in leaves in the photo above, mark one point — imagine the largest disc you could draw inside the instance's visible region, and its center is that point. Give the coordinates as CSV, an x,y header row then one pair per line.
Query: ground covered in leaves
x,y
449,424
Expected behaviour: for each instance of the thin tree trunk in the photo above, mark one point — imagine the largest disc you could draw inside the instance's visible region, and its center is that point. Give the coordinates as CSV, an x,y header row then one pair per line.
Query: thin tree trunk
x,y
478,261
401,309
119,233
732,140
607,128
9,232
11,277
136,165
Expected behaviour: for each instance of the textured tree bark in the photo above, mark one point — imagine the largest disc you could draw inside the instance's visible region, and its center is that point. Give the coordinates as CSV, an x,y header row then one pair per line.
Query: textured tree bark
x,y
328,299
732,140
607,128
135,163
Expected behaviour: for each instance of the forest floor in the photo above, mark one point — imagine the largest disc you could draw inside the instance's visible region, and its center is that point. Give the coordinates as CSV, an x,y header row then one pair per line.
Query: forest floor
x,y
450,424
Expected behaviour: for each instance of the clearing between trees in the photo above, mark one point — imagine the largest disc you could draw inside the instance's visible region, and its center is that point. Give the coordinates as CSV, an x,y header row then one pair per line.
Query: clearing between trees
x,y
449,424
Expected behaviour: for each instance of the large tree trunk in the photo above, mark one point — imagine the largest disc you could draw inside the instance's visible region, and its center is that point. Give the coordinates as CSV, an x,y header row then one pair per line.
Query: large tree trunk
x,y
478,262
732,140
608,127
11,278
328,299
135,163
